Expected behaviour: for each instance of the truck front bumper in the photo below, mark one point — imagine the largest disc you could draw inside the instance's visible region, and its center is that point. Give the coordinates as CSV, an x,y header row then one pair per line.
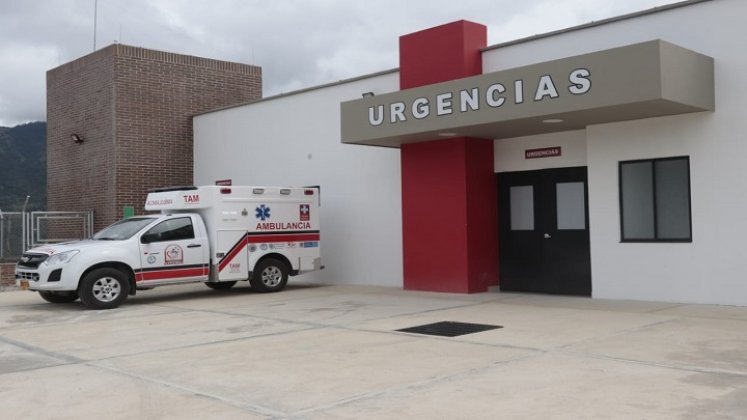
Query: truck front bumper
x,y
45,278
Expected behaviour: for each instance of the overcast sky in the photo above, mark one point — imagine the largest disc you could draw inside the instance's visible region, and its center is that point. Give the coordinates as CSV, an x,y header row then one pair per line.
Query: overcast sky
x,y
298,43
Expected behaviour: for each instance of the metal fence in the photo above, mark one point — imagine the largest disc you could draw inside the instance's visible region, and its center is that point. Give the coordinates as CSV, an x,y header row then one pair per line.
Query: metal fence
x,y
12,230
20,231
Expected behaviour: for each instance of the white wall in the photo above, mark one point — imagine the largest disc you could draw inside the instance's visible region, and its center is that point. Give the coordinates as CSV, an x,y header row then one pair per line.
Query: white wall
x,y
711,269
295,140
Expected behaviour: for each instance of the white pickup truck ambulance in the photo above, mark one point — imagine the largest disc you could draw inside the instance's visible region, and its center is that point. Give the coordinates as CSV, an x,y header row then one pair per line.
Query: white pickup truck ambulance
x,y
214,234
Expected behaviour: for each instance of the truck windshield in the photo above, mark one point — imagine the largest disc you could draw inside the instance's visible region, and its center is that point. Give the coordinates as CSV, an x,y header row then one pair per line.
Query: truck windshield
x,y
124,229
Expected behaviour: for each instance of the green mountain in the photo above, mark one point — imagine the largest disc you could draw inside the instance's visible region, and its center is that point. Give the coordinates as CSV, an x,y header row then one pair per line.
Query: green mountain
x,y
23,166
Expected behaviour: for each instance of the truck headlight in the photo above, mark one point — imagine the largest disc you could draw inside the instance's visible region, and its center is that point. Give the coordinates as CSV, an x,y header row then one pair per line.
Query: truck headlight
x,y
61,258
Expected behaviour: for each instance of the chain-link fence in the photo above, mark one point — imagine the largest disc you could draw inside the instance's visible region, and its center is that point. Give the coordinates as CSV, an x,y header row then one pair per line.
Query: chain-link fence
x,y
11,235
20,231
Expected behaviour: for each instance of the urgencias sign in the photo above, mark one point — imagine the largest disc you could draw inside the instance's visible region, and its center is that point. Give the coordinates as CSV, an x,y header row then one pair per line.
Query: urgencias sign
x,y
644,80
471,99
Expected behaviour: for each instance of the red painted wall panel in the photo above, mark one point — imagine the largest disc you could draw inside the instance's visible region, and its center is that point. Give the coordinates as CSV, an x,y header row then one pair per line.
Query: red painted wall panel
x,y
446,52
434,216
482,215
449,225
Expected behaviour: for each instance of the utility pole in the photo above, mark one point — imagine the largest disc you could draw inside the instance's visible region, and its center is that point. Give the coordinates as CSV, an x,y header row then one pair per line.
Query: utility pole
x,y
2,229
25,226
95,16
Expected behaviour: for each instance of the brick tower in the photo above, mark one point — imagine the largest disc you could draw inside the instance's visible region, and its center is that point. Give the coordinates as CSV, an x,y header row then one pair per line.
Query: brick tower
x,y
131,109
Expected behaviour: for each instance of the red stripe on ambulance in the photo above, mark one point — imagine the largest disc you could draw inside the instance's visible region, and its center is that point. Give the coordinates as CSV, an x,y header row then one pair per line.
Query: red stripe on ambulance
x,y
172,273
257,238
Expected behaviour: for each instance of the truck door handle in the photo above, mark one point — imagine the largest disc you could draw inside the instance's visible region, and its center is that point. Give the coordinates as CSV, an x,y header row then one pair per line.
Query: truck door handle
x,y
194,246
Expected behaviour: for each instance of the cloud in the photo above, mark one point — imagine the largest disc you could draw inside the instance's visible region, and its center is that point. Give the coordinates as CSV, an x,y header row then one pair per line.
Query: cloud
x,y
298,43
20,90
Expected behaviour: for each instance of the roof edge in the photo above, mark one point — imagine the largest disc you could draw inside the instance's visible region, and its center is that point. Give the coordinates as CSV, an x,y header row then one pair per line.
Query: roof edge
x,y
595,23
592,24
116,50
303,90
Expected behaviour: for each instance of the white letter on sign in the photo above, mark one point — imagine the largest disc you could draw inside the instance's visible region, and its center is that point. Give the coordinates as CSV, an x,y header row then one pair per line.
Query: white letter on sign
x,y
420,108
545,87
373,119
397,112
519,91
581,83
443,104
469,99
490,95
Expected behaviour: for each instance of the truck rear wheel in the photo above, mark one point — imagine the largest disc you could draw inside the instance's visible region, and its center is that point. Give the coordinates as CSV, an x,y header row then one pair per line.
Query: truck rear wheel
x,y
104,288
221,285
58,297
269,275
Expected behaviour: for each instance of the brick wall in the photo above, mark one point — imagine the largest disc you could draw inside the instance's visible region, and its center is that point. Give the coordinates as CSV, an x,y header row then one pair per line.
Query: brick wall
x,y
7,276
80,101
134,108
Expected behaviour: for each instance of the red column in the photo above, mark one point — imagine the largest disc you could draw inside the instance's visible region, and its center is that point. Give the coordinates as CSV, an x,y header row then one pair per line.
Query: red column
x,y
449,214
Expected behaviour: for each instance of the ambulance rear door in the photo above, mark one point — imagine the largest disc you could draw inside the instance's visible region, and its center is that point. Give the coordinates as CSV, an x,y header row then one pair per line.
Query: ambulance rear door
x,y
232,255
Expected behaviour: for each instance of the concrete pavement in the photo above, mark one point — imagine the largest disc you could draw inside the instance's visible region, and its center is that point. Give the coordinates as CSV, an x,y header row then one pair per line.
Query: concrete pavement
x,y
333,352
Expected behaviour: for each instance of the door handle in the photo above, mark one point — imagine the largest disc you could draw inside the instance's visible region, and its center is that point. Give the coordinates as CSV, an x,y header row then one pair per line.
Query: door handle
x,y
547,236
194,246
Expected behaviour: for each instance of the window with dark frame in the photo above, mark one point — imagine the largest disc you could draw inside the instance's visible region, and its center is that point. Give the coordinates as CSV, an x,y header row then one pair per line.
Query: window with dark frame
x,y
173,229
655,200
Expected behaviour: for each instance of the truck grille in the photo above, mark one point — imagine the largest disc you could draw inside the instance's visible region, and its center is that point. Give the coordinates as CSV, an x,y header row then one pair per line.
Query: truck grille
x,y
27,276
32,260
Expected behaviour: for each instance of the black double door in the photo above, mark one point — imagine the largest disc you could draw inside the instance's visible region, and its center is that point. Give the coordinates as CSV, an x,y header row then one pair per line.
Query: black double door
x,y
544,231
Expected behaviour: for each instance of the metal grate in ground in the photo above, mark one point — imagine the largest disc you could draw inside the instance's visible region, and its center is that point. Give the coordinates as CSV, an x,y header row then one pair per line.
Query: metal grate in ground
x,y
449,328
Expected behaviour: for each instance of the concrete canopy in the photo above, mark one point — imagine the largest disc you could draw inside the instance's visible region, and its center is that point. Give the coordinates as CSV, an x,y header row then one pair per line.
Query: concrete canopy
x,y
650,79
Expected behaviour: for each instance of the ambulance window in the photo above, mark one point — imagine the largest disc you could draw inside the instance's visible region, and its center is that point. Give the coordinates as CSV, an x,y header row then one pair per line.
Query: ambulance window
x,y
173,229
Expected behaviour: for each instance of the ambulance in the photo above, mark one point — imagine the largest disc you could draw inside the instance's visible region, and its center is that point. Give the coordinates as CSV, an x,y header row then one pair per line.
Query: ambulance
x,y
218,235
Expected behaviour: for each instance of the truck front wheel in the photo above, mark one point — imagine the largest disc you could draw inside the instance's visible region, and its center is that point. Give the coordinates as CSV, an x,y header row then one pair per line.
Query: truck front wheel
x,y
104,288
269,275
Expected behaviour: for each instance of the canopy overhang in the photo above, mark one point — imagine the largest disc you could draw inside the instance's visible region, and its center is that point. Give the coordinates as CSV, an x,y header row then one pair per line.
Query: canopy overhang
x,y
650,79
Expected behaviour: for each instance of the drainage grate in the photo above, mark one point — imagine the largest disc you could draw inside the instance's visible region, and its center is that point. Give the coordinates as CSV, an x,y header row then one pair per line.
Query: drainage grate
x,y
449,328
